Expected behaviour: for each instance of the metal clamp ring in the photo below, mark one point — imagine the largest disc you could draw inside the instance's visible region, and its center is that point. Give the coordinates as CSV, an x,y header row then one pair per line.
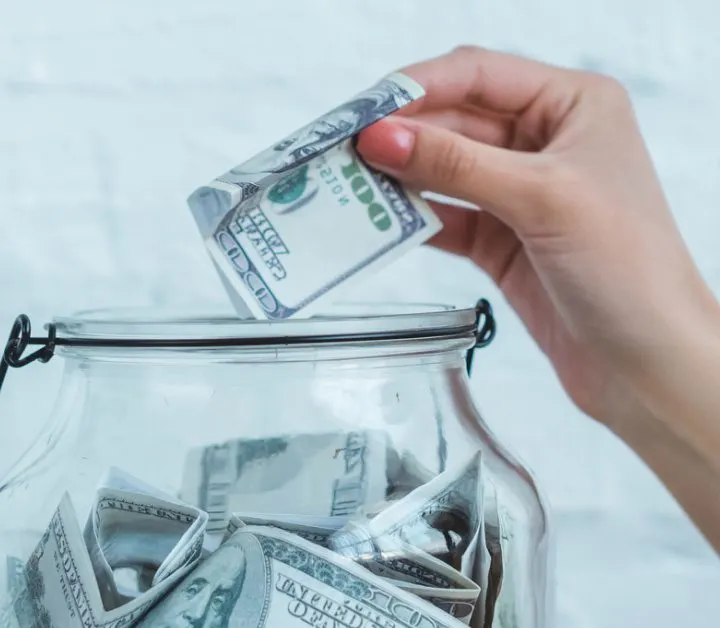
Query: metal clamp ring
x,y
485,332
21,337
18,340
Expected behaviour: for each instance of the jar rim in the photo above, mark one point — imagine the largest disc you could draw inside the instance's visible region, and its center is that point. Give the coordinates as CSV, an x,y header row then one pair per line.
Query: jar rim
x,y
347,322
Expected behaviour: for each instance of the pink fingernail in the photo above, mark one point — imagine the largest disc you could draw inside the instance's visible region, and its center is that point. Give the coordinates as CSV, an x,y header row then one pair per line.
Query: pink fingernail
x,y
387,145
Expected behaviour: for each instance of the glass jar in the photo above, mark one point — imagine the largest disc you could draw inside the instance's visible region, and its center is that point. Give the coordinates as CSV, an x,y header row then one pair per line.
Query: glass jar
x,y
336,418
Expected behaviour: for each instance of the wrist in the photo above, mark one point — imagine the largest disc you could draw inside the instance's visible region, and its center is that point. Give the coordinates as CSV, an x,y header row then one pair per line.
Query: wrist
x,y
675,424
678,379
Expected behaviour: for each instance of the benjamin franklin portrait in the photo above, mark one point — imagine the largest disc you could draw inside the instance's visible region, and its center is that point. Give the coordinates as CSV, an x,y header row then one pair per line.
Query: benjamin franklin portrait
x,y
206,597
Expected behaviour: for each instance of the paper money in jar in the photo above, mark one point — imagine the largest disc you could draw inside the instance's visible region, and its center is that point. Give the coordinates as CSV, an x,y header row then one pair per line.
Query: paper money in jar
x,y
316,475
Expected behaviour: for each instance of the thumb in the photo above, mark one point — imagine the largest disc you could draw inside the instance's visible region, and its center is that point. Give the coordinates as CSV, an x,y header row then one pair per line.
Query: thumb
x,y
431,158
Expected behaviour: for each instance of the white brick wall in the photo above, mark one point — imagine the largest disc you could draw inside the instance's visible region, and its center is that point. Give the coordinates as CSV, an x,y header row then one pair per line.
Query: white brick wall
x,y
111,112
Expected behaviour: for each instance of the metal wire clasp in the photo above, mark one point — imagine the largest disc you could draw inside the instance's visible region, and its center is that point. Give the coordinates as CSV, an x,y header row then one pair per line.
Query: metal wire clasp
x,y
19,340
486,330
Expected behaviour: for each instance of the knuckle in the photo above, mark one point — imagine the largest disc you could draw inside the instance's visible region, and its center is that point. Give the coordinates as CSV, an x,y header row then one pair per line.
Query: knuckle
x,y
608,89
468,50
453,164
614,89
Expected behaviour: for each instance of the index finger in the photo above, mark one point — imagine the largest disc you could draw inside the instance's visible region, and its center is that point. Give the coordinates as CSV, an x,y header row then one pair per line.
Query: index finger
x,y
500,82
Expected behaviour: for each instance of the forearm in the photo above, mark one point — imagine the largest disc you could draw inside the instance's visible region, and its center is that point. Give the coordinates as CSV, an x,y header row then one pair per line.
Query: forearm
x,y
690,478
679,434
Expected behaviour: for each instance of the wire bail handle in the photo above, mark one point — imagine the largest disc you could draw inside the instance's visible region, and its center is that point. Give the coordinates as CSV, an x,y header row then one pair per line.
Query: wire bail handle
x,y
21,338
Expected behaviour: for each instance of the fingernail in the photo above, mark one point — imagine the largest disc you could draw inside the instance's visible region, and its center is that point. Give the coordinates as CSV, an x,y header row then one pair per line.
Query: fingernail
x,y
387,145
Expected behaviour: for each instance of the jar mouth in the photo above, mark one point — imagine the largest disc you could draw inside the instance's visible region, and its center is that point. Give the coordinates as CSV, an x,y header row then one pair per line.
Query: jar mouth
x,y
342,323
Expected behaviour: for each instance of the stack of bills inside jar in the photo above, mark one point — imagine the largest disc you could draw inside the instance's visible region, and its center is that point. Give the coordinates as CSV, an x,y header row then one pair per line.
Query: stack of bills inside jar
x,y
299,224
322,530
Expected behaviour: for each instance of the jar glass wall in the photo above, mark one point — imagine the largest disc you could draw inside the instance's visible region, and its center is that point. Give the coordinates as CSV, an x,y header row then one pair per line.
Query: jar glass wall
x,y
335,416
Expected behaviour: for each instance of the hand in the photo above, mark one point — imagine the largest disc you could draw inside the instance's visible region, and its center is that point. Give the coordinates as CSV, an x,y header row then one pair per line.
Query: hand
x,y
573,226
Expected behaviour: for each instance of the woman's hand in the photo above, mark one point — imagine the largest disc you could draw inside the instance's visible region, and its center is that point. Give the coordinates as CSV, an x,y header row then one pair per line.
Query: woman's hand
x,y
575,228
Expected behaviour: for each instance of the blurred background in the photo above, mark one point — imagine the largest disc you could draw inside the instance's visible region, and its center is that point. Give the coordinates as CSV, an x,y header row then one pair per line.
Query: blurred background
x,y
111,113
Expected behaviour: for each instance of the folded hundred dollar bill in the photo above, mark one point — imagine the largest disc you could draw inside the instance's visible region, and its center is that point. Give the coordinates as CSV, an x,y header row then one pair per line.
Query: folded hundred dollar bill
x,y
405,567
502,587
301,222
441,517
263,576
317,475
426,541
414,570
137,546
459,602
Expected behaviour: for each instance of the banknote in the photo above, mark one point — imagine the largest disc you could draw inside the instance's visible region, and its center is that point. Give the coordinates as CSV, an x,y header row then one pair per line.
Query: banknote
x,y
144,535
458,603
410,474
63,589
404,563
15,613
494,546
271,224
326,475
441,517
77,578
504,568
426,576
263,576
405,566
314,529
